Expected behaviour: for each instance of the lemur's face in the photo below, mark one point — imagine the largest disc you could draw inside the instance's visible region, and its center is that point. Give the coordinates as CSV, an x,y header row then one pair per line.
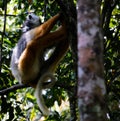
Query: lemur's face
x,y
33,19
31,22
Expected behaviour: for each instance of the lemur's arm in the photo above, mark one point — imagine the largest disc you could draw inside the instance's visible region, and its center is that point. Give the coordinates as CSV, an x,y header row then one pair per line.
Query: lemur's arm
x,y
46,27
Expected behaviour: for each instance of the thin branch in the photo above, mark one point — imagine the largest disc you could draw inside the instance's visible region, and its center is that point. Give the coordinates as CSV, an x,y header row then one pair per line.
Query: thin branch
x,y
45,9
21,86
107,12
104,11
8,15
5,7
13,88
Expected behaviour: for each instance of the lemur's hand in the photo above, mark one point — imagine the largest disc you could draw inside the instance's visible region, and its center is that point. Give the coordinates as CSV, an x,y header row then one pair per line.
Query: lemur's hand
x,y
61,16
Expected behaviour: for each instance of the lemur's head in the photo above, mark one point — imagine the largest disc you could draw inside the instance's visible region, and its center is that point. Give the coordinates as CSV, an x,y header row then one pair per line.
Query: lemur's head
x,y
31,22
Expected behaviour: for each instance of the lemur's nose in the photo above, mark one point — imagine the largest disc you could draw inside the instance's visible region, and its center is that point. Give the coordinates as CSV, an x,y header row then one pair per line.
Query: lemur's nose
x,y
30,17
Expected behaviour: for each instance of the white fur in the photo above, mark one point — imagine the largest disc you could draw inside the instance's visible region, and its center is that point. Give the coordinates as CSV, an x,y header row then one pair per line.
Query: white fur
x,y
38,92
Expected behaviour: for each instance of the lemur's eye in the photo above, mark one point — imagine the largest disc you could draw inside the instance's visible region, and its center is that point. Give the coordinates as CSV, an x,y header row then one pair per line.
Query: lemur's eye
x,y
30,17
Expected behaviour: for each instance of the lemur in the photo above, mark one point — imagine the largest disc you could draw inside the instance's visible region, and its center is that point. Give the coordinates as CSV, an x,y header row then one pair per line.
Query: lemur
x,y
28,65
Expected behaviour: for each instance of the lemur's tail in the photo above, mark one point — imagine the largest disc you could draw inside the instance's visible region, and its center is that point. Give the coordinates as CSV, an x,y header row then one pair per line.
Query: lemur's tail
x,y
44,83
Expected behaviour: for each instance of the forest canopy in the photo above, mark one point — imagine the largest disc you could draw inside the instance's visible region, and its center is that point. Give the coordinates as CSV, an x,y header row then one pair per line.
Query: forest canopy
x,y
19,102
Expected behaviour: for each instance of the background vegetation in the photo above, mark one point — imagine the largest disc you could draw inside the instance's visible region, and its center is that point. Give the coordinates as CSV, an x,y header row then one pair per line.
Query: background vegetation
x,y
20,104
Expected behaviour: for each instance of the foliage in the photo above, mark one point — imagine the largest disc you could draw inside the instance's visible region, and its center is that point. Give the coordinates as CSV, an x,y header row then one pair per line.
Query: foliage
x,y
111,27
21,104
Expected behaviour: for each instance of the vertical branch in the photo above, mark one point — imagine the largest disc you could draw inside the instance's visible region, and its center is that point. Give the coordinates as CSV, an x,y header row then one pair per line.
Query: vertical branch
x,y
5,12
69,10
73,101
91,86
45,9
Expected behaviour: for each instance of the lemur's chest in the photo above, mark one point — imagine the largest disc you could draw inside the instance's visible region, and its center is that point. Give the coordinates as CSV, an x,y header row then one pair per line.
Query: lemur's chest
x,y
29,36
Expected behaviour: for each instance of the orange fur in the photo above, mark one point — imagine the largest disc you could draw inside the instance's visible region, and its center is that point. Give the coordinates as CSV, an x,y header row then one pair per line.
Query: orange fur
x,y
29,63
31,68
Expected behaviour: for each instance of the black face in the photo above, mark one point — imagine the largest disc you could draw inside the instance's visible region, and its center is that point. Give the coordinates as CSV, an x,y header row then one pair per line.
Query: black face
x,y
30,24
30,16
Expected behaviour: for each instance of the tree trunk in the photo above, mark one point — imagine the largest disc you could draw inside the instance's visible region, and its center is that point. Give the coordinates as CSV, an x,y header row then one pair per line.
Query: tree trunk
x,y
91,86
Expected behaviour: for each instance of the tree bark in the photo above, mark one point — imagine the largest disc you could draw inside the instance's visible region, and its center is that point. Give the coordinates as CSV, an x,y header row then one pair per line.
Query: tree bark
x,y
91,86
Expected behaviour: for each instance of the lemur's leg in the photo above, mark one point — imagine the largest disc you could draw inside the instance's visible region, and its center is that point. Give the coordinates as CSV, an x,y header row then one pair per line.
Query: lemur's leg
x,y
32,57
